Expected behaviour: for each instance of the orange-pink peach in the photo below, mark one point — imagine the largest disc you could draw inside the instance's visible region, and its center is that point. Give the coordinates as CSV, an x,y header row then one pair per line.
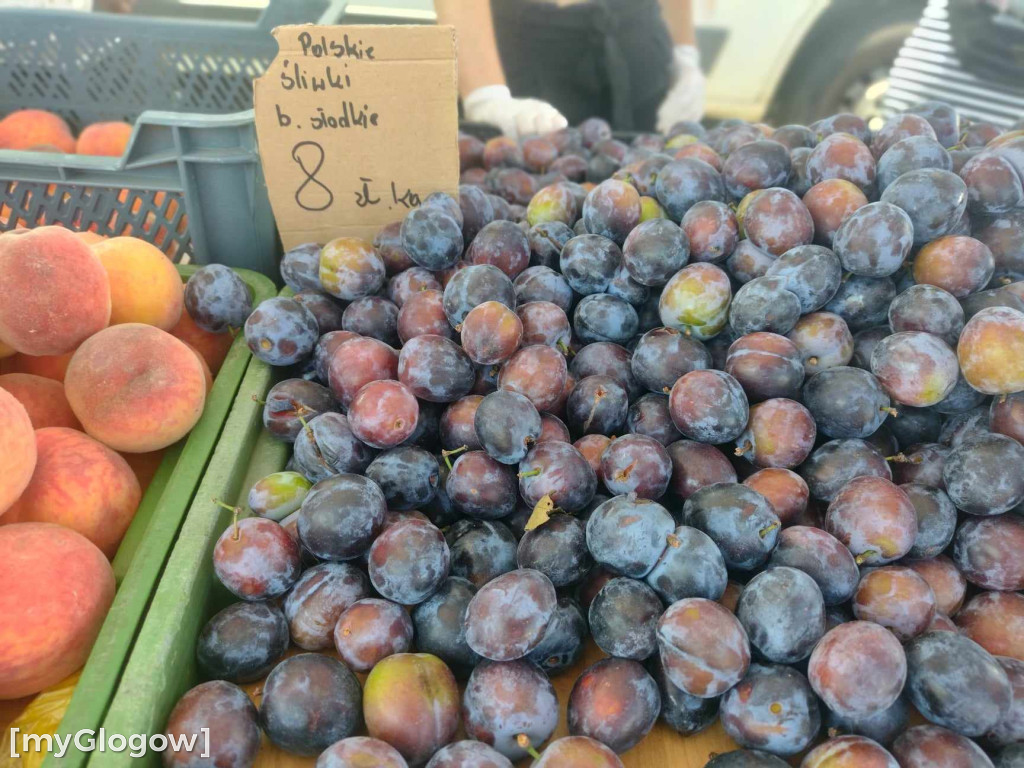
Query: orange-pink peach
x,y
29,129
212,346
54,292
109,139
18,448
47,366
43,398
81,484
144,285
136,388
144,465
57,590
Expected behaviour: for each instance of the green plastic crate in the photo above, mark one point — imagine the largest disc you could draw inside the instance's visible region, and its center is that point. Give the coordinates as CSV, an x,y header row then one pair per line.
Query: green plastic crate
x,y
162,664
190,180
150,538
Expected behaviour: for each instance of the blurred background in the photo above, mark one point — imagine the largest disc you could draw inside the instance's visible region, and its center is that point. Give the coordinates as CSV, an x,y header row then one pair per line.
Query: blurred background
x,y
791,61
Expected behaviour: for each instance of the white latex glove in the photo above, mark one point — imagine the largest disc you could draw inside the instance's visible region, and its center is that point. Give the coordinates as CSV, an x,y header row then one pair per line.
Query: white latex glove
x,y
495,105
685,99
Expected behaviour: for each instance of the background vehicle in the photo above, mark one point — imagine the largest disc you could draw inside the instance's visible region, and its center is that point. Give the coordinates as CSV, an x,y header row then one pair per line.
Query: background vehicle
x,y
969,53
791,61
781,61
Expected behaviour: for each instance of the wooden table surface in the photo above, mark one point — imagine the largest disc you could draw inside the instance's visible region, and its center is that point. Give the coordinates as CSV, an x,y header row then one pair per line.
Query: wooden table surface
x,y
663,747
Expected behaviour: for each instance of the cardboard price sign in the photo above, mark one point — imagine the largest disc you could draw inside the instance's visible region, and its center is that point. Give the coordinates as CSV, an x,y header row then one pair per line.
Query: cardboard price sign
x,y
356,125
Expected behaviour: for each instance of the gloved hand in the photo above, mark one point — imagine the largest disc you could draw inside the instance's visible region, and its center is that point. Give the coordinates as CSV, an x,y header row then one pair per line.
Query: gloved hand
x,y
685,99
495,105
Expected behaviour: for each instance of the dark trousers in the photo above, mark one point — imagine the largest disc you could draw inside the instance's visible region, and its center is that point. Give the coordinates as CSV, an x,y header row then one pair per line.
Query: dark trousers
x,y
604,58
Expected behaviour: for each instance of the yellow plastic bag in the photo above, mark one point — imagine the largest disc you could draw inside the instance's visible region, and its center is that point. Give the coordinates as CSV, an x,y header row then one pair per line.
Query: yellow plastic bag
x,y
42,716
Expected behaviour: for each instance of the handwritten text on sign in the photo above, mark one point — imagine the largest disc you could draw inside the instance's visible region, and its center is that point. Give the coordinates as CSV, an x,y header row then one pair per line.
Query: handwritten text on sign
x,y
355,125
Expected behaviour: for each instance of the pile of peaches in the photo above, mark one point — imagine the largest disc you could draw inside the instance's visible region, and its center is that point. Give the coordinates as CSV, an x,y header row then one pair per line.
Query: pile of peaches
x,y
38,130
101,369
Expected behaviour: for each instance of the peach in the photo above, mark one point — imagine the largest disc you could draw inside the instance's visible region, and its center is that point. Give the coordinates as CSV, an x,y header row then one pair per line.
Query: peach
x,y
144,285
212,346
207,373
136,388
34,129
57,589
81,484
54,292
104,139
90,238
18,449
144,465
47,366
43,398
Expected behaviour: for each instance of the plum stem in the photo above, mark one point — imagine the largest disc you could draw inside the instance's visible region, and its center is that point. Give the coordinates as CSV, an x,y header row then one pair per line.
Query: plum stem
x,y
865,555
673,541
524,743
532,473
235,512
565,349
256,399
741,449
453,452
768,529
812,360
890,410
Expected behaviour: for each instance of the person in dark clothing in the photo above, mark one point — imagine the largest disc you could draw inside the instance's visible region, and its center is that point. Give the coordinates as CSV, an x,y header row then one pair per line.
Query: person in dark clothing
x,y
531,66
